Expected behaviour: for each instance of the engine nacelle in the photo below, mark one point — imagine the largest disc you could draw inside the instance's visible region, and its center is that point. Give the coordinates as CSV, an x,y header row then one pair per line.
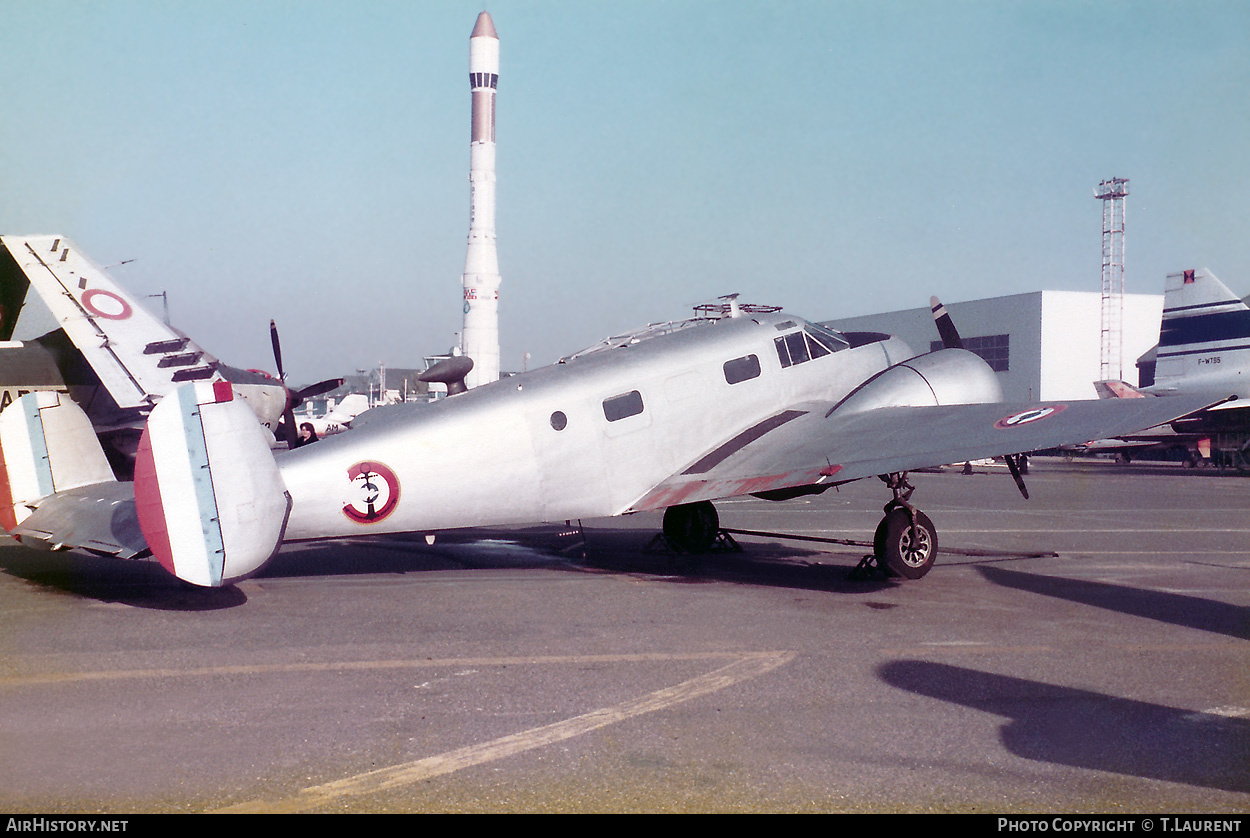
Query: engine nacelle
x,y
948,376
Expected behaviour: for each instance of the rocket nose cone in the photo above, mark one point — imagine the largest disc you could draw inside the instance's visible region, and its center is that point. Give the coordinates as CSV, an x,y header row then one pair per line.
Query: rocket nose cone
x,y
485,27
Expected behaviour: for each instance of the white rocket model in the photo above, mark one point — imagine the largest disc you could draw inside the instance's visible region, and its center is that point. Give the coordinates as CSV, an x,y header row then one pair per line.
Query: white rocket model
x,y
480,336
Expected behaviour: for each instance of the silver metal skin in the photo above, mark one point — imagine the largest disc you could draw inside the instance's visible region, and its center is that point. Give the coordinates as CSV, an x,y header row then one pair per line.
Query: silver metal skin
x,y
670,417
499,453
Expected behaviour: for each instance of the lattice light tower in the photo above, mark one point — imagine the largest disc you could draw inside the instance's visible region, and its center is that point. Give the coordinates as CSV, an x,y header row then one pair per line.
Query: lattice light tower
x,y
1112,194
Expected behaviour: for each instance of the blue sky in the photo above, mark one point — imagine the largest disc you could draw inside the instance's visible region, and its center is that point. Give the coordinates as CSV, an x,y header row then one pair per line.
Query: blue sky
x,y
308,161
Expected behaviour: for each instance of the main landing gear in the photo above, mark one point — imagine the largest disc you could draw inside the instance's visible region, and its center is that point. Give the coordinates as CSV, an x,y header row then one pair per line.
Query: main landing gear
x,y
692,527
905,543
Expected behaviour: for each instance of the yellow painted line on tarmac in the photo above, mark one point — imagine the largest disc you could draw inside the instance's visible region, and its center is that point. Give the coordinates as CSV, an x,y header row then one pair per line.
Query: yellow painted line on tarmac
x,y
747,665
35,679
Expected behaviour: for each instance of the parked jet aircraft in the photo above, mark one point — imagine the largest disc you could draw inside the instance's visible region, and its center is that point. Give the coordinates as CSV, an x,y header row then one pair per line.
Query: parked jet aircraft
x,y
113,357
338,418
1204,348
671,417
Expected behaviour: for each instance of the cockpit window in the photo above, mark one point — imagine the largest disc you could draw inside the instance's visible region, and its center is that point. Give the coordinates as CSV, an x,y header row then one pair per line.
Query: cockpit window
x,y
742,369
834,341
797,347
813,342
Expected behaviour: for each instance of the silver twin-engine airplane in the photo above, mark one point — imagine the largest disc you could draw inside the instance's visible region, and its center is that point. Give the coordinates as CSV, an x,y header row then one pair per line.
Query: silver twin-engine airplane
x,y
673,417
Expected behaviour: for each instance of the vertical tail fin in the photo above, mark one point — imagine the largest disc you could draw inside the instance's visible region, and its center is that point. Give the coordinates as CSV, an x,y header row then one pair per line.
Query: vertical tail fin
x,y
47,445
210,500
1205,331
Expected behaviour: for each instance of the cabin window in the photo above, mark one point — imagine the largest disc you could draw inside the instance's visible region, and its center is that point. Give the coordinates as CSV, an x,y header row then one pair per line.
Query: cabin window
x,y
742,369
622,406
559,421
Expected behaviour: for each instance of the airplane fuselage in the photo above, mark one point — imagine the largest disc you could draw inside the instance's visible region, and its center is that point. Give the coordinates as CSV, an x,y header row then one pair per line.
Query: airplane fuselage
x,y
585,438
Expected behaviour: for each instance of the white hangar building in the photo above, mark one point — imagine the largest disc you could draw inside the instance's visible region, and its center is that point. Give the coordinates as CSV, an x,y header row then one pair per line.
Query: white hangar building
x,y
1045,345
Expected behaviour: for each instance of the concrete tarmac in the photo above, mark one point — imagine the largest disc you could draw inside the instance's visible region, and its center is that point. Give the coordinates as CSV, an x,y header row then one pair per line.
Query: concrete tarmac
x,y
1082,651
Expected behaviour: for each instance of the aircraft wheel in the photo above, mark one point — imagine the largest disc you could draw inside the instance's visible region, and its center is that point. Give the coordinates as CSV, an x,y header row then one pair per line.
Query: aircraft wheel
x,y
907,551
692,526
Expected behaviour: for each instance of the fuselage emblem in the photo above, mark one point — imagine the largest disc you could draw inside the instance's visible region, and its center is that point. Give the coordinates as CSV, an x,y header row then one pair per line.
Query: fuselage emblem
x,y
1024,417
373,494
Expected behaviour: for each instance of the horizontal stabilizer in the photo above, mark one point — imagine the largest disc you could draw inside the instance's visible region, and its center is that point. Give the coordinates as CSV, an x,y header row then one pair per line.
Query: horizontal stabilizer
x,y
137,356
47,446
98,519
209,497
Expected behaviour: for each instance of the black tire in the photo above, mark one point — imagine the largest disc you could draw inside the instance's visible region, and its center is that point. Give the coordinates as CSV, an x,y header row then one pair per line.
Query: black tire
x,y
692,526
904,552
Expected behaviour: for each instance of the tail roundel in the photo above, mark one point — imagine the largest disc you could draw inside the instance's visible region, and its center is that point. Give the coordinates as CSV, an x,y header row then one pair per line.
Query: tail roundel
x,y
208,493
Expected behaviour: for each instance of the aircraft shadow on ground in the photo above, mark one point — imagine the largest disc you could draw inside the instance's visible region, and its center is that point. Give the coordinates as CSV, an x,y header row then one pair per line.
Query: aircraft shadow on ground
x,y
144,584
141,584
760,563
619,550
1176,609
1086,729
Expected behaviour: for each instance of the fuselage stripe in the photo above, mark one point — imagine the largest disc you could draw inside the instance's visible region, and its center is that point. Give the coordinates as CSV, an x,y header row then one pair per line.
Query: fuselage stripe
x,y
742,440
1205,328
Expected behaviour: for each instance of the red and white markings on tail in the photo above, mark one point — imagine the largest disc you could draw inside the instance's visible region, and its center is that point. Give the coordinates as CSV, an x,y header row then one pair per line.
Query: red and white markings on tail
x,y
210,500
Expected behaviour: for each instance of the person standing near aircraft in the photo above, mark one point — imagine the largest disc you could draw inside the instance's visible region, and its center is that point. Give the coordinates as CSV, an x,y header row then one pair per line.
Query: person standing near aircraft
x,y
307,435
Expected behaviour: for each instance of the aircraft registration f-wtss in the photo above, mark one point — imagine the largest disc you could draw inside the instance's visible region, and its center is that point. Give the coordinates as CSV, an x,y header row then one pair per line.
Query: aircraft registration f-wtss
x,y
743,401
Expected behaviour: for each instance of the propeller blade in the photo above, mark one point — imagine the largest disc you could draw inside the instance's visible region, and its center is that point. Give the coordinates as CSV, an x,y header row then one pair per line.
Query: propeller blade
x,y
1014,466
314,390
277,348
288,416
945,325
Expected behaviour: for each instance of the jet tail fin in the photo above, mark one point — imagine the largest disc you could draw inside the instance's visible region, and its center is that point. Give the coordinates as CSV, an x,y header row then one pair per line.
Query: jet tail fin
x,y
1205,334
47,446
210,499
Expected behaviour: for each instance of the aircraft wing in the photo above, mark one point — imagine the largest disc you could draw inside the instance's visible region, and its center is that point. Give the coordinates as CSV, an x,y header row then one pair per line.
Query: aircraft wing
x,y
812,444
137,356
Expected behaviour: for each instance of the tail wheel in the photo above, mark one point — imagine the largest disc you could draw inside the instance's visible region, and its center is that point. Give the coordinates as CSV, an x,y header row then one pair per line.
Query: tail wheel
x,y
692,526
907,550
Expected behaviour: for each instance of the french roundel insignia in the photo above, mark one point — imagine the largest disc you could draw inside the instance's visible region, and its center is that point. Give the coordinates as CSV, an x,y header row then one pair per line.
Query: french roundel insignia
x,y
106,304
1033,414
373,494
